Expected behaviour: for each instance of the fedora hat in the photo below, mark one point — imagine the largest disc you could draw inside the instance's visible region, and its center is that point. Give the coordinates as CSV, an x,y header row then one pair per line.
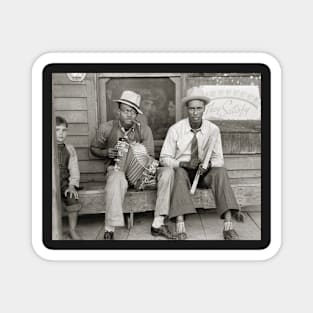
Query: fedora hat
x,y
130,98
195,93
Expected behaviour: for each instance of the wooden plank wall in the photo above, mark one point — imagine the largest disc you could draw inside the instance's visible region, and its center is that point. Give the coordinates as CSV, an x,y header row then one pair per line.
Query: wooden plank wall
x,y
77,102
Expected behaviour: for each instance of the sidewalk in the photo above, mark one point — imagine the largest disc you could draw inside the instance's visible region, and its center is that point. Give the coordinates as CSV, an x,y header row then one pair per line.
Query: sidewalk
x,y
202,226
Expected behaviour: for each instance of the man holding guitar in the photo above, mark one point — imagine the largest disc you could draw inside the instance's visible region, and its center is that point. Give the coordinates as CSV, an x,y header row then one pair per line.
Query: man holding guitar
x,y
193,149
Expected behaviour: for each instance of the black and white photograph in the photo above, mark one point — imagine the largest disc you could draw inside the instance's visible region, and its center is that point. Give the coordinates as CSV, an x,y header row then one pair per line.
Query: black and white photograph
x,y
150,156
156,148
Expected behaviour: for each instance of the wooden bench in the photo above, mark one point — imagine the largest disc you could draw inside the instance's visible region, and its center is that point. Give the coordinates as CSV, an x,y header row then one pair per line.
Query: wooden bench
x,y
92,199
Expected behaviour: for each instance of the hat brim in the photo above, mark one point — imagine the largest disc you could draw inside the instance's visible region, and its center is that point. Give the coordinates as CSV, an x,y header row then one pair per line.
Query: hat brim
x,y
206,100
130,105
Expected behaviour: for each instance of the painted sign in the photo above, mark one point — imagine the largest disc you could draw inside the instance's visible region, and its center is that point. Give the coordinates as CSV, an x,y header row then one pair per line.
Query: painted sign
x,y
233,103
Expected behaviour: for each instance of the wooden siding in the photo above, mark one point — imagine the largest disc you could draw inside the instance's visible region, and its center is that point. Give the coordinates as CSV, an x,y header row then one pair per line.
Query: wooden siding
x,y
76,102
63,104
70,91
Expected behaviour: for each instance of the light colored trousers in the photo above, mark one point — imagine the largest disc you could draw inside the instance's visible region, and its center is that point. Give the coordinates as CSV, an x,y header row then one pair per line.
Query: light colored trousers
x,y
116,188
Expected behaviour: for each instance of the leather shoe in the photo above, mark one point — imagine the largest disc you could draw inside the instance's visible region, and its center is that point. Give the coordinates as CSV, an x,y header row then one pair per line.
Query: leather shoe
x,y
108,235
181,236
162,231
230,234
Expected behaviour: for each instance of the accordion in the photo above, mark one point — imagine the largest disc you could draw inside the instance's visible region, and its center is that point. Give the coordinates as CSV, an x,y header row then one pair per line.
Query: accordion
x,y
140,169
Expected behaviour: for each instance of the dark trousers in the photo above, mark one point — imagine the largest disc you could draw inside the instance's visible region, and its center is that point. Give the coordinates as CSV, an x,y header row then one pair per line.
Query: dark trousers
x,y
69,204
216,179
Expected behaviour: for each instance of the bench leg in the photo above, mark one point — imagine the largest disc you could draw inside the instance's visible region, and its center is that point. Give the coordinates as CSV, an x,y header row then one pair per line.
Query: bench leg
x,y
239,216
130,220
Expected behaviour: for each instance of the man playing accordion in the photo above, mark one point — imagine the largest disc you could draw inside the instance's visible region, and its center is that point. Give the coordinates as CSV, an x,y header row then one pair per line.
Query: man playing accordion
x,y
127,148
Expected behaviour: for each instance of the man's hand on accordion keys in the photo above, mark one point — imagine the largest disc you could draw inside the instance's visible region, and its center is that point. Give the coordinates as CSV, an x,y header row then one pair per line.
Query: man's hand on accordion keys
x,y
112,153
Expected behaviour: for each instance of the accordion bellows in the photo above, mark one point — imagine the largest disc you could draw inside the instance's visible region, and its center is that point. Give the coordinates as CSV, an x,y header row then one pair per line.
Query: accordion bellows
x,y
140,168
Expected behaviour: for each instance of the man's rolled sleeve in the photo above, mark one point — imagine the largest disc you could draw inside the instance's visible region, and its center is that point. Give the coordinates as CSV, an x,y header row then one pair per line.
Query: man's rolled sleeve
x,y
217,158
170,162
102,133
147,140
168,152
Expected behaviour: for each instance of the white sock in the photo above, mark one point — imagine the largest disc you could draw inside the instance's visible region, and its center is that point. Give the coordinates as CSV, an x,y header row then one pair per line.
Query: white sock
x,y
109,228
180,227
158,221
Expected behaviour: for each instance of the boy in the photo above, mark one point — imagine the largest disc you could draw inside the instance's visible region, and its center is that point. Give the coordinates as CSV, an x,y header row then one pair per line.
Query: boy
x,y
69,176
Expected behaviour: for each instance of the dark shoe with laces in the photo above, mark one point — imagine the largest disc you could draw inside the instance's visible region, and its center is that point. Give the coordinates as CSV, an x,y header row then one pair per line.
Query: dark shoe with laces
x,y
108,235
230,234
162,231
